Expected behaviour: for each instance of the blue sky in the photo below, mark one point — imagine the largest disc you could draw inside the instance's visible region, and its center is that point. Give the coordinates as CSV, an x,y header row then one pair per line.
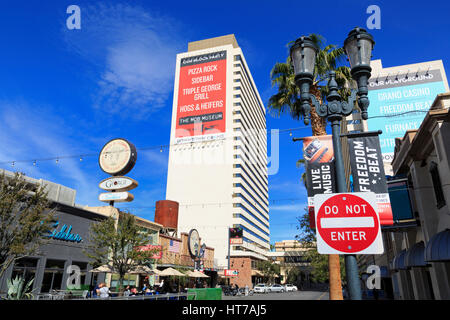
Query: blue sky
x,y
67,92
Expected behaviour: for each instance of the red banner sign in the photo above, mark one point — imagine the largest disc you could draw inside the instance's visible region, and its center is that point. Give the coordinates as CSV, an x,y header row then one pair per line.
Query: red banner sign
x,y
201,96
230,273
156,255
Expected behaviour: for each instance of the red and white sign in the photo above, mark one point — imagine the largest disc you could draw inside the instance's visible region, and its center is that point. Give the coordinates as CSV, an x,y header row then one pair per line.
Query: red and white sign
x,y
348,223
156,255
230,273
201,103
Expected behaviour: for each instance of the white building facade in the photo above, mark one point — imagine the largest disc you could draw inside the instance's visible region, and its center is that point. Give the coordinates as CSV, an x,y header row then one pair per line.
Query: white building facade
x,y
218,149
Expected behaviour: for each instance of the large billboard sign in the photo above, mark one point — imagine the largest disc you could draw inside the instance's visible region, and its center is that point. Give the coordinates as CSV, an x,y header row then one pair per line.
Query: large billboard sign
x,y
398,102
201,106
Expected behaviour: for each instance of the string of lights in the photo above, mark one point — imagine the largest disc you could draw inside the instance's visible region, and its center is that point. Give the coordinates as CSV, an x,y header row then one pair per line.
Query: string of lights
x,y
161,148
218,204
165,146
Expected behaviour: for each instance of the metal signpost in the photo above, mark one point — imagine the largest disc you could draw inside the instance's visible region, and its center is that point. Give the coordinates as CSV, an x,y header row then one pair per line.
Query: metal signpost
x,y
358,46
117,158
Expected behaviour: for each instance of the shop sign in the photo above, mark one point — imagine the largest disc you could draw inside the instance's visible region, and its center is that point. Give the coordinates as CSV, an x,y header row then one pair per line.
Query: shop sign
x,y
118,183
230,272
64,233
116,196
156,255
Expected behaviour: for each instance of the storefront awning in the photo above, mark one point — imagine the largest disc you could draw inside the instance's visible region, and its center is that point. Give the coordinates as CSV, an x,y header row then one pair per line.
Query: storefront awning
x,y
398,263
415,256
257,273
438,248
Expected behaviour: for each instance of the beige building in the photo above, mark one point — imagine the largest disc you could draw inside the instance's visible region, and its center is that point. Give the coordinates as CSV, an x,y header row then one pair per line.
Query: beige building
x,y
289,254
220,180
152,227
418,254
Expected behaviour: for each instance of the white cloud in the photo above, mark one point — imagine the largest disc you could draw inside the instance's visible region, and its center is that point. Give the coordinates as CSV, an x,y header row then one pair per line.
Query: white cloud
x,y
136,53
31,131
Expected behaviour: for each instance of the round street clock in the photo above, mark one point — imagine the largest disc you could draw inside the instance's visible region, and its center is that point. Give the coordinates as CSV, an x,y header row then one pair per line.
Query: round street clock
x,y
117,157
194,243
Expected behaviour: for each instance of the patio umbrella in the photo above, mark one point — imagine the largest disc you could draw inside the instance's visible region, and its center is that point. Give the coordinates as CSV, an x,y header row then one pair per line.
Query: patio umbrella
x,y
171,272
144,270
103,268
198,274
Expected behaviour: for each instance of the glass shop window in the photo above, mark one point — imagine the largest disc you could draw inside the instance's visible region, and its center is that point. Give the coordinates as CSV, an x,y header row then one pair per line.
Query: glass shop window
x,y
26,268
53,275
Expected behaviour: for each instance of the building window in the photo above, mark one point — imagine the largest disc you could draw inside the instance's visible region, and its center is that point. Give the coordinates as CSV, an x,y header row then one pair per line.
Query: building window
x,y
26,268
53,275
237,58
437,186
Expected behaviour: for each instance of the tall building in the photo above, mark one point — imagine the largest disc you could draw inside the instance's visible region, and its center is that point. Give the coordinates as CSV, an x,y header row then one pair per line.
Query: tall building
x,y
218,151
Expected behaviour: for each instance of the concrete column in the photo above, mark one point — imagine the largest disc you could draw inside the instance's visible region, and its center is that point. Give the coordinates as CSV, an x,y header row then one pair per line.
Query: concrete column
x,y
39,277
6,276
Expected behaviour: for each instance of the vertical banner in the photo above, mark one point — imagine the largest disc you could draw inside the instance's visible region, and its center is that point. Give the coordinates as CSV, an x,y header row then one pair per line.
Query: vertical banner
x,y
320,173
236,235
368,174
201,98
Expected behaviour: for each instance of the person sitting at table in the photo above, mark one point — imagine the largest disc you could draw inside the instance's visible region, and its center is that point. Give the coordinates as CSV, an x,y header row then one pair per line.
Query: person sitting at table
x,y
104,291
133,291
147,292
127,291
96,291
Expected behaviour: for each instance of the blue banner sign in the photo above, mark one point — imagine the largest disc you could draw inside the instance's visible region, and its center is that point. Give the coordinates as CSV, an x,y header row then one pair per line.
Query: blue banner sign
x,y
64,233
399,103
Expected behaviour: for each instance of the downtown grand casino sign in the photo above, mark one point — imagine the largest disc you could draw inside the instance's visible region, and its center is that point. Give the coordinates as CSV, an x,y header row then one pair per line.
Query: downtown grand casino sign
x,y
399,102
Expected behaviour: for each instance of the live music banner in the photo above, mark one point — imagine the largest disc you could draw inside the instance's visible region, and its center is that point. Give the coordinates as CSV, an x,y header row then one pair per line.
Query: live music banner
x,y
368,173
320,173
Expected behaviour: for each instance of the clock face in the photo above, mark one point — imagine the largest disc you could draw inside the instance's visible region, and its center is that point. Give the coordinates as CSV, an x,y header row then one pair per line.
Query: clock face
x,y
117,157
194,242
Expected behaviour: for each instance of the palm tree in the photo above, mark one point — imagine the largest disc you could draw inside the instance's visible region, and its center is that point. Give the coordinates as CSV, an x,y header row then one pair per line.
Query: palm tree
x,y
287,100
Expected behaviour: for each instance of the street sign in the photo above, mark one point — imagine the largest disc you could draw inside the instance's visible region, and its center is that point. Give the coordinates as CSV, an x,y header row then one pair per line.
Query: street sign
x,y
230,273
348,223
116,196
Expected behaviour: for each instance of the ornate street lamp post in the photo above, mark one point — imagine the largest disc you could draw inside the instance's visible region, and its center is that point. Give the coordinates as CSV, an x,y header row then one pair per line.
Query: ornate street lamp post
x,y
358,46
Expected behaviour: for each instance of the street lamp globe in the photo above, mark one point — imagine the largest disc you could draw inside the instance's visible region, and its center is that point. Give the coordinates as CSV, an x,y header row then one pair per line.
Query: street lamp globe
x,y
358,46
303,57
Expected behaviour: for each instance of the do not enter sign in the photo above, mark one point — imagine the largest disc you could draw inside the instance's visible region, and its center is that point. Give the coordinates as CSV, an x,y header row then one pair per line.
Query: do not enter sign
x,y
348,223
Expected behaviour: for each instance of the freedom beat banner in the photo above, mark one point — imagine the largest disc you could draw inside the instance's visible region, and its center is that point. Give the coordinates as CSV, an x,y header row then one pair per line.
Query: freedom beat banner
x,y
368,173
201,98
320,172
